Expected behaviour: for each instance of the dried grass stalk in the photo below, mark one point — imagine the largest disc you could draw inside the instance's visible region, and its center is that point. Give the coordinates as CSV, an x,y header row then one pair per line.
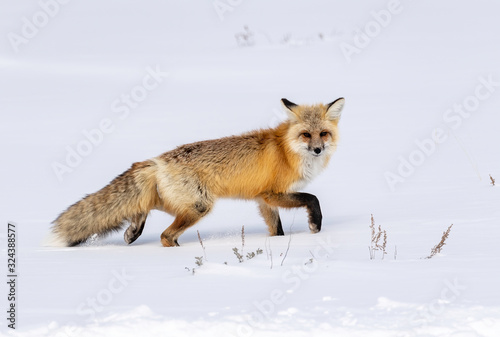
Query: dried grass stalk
x,y
437,248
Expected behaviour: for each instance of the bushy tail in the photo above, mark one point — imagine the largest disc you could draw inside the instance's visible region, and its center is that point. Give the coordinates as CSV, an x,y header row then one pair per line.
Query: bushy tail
x,y
131,193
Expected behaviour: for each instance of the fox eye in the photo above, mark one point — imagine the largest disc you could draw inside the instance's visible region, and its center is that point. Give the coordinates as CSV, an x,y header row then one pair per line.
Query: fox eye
x,y
306,134
323,134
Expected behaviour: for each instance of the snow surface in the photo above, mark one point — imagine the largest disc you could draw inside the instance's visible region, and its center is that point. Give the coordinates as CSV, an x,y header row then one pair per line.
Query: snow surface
x,y
69,79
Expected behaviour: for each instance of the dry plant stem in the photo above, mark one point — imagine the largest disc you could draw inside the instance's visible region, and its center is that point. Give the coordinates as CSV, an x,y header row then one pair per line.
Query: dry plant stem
x,y
437,248
269,252
242,238
492,180
376,236
287,248
372,227
202,246
384,245
238,255
289,240
372,252
270,255
314,257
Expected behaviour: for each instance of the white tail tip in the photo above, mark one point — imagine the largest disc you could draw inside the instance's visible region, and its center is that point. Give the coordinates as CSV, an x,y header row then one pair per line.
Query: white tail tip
x,y
54,240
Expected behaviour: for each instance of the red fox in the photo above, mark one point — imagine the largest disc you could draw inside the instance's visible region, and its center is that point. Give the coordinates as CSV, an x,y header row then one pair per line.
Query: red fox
x,y
268,166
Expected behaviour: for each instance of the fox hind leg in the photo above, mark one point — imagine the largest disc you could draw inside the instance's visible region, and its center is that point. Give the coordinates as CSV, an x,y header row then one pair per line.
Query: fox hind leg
x,y
272,218
184,196
171,234
135,229
183,221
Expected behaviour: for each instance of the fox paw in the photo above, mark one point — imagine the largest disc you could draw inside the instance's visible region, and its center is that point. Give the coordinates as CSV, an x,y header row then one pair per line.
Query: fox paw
x,y
314,228
130,235
168,242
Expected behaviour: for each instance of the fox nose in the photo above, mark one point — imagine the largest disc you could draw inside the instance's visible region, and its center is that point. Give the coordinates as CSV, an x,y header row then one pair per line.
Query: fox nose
x,y
317,150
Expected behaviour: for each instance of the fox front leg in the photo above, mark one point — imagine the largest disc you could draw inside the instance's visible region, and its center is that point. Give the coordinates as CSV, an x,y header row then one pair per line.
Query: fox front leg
x,y
272,218
294,200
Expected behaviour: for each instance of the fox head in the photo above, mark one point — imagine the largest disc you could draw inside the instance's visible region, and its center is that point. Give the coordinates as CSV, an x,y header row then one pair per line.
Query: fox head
x,y
313,128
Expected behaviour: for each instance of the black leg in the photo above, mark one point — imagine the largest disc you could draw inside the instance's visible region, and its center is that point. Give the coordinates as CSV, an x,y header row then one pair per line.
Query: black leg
x,y
293,200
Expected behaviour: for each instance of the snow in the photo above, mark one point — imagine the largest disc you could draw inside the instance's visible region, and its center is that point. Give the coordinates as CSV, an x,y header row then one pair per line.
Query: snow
x,y
100,85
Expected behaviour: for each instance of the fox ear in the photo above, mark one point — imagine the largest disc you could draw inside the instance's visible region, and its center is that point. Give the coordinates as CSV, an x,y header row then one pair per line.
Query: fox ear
x,y
289,107
334,109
